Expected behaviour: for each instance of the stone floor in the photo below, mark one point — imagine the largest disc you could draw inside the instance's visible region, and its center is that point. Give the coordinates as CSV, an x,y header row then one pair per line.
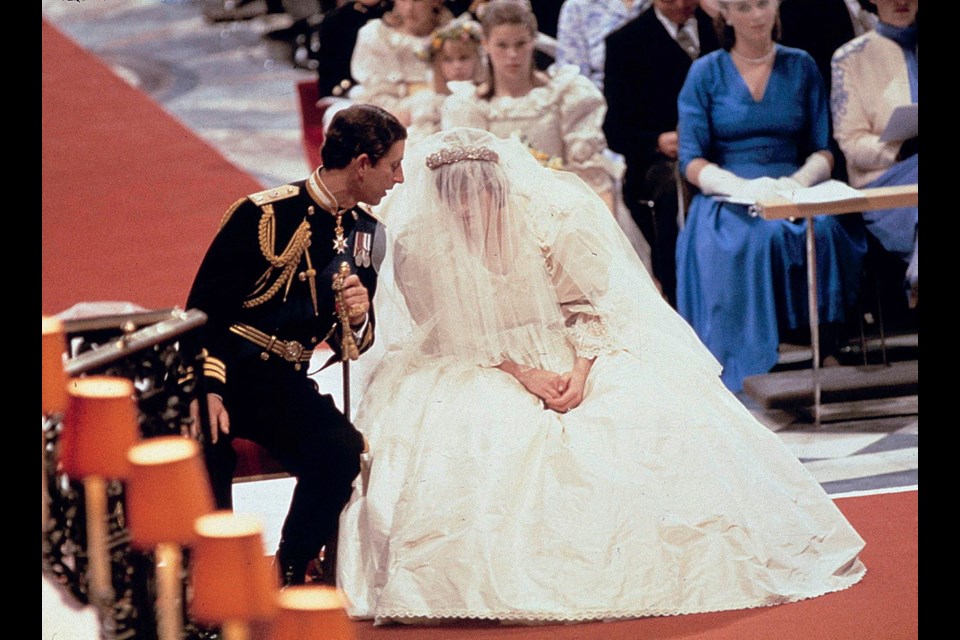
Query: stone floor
x,y
235,88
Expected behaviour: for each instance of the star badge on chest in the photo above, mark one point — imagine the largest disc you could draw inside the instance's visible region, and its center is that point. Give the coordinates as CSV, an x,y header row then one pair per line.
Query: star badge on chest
x,y
339,242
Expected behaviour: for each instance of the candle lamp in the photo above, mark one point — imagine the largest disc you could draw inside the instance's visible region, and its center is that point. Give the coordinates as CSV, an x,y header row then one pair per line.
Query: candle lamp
x,y
99,427
228,552
53,378
167,490
312,612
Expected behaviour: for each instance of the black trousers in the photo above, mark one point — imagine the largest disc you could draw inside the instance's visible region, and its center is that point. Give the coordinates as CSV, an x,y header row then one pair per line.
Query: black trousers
x,y
653,205
281,410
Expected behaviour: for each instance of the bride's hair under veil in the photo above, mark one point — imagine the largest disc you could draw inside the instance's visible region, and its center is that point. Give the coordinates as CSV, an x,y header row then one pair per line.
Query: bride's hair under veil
x,y
465,259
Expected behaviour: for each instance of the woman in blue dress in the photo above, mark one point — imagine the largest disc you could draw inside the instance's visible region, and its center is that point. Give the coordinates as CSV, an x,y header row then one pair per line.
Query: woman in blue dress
x,y
754,120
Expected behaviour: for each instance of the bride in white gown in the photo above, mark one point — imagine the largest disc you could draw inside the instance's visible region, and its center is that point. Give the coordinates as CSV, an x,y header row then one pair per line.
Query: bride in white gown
x,y
548,439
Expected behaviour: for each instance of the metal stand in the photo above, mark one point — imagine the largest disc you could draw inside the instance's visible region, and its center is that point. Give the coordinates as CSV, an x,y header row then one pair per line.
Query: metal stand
x,y
868,200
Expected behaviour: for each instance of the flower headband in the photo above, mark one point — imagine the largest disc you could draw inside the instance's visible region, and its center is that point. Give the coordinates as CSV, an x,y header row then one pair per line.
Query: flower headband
x,y
459,153
461,30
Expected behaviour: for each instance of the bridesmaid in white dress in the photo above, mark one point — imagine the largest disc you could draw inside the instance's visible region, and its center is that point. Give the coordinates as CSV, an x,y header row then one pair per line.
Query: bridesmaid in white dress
x,y
558,113
455,55
387,62
549,440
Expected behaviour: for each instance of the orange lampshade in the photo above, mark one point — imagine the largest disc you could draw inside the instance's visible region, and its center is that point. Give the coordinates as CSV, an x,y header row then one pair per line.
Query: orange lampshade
x,y
99,427
312,613
167,490
53,379
230,573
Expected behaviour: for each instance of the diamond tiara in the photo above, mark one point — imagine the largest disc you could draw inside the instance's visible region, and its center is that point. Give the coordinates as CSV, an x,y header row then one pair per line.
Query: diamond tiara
x,y
460,153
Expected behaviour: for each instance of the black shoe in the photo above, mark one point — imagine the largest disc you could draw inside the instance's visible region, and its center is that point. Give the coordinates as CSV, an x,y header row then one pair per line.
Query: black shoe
x,y
292,571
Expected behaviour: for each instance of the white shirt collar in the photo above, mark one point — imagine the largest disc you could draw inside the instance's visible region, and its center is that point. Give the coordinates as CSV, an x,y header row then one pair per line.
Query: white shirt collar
x,y
690,26
321,194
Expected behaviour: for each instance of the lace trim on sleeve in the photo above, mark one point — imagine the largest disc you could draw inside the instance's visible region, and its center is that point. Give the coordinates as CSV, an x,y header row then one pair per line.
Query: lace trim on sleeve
x,y
590,338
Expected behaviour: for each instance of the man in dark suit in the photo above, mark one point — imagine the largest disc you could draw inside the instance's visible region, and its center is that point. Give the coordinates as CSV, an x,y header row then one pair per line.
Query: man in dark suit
x,y
336,40
646,63
266,285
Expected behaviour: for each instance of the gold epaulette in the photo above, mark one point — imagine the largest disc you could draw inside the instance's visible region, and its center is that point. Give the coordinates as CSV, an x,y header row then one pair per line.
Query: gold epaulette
x,y
287,260
273,195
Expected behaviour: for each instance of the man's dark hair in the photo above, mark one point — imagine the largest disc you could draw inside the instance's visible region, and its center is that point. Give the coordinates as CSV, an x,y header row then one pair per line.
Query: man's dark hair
x,y
359,129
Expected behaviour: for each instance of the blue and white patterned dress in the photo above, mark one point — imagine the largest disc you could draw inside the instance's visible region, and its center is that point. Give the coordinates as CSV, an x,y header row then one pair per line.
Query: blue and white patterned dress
x,y
583,27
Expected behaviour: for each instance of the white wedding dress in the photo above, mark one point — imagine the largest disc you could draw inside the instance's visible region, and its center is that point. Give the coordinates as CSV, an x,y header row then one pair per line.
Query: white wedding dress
x,y
659,494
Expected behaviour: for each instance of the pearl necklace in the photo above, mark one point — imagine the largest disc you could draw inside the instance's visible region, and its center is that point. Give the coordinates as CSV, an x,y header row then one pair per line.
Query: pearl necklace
x,y
760,60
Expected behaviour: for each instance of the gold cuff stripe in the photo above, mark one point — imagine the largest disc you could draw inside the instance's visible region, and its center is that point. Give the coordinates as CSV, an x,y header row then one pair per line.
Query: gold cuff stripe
x,y
214,368
216,376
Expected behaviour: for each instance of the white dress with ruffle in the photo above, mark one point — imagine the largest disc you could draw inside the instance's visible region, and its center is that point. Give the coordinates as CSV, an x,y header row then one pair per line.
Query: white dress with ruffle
x,y
388,67
659,495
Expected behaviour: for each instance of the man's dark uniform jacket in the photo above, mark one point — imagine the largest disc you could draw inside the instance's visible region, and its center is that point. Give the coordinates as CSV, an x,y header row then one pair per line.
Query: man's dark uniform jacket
x,y
644,72
265,285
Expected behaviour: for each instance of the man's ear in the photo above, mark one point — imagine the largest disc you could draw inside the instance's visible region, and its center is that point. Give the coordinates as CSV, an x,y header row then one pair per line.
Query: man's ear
x,y
362,164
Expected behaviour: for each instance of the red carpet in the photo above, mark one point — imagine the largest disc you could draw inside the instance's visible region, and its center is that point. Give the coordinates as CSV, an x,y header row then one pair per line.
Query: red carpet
x,y
883,606
131,197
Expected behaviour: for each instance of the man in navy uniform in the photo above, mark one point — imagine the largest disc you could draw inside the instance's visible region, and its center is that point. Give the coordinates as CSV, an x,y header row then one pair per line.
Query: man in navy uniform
x,y
266,285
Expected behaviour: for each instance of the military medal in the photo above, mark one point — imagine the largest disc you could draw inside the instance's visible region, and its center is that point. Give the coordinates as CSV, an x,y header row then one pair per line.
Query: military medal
x,y
339,243
362,248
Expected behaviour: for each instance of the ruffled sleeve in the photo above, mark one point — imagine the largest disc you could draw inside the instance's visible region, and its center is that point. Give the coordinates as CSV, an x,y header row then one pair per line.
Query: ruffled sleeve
x,y
582,109
578,265
608,301
463,108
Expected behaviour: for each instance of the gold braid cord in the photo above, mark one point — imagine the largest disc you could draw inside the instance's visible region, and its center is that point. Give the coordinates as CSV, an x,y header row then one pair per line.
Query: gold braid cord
x,y
286,261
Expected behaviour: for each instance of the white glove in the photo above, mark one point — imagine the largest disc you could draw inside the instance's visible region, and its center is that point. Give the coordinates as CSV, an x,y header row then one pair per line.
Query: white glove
x,y
716,181
786,186
759,189
815,170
